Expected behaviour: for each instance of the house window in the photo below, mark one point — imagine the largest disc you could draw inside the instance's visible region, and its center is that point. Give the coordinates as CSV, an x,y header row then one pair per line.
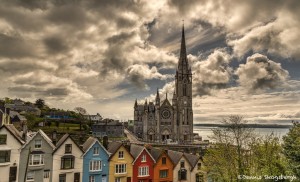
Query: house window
x,y
182,174
181,164
144,171
199,178
96,151
36,159
4,156
47,174
67,162
199,166
144,158
117,179
91,178
3,139
121,154
120,168
68,148
62,178
163,173
38,144
164,160
30,176
95,165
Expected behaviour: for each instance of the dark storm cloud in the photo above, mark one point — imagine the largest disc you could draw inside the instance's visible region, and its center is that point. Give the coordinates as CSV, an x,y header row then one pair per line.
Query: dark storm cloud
x,y
68,14
261,73
39,91
16,67
14,46
56,44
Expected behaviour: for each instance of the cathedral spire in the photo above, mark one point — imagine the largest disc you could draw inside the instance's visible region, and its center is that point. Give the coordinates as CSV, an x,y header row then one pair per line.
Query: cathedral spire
x,y
183,57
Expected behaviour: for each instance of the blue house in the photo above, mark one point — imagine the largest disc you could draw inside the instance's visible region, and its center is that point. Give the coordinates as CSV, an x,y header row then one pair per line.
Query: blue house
x,y
95,161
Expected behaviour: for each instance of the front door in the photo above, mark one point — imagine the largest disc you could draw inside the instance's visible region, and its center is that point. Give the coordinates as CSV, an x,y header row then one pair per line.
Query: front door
x,y
76,177
104,179
13,174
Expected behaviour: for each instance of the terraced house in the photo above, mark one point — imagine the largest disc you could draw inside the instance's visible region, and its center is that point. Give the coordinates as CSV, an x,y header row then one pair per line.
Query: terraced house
x,y
10,144
36,160
120,163
95,161
143,164
67,160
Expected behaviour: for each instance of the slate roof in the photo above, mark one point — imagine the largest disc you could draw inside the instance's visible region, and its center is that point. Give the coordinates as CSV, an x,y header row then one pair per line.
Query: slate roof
x,y
44,135
63,139
88,143
155,153
193,159
113,147
135,150
11,128
175,156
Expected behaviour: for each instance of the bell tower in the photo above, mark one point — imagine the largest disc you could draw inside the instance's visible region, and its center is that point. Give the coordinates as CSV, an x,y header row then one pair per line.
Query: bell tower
x,y
183,84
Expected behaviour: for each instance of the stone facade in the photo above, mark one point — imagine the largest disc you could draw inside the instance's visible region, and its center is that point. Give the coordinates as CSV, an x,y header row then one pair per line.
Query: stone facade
x,y
159,121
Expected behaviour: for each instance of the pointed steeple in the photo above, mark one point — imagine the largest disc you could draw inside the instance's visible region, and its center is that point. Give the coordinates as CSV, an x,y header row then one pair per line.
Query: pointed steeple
x,y
135,103
157,99
183,56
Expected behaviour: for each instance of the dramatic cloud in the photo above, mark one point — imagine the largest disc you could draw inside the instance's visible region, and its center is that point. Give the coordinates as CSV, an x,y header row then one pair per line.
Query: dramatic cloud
x,y
261,73
212,73
137,74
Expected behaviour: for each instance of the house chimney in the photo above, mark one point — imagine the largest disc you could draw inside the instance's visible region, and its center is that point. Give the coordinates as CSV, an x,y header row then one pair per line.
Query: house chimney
x,y
24,136
105,142
54,137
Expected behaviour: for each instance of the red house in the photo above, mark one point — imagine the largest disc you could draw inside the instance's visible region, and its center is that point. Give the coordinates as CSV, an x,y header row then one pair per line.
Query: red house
x,y
142,165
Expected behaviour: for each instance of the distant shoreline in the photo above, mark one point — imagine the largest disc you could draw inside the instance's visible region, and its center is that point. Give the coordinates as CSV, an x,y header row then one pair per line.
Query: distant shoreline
x,y
247,125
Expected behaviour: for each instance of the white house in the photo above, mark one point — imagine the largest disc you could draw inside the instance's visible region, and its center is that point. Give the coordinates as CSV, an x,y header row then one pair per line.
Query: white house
x,y
10,144
67,160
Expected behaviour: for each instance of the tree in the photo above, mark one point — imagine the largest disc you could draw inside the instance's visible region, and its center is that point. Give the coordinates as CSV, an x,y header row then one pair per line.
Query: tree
x,y
291,146
228,158
81,112
40,103
239,151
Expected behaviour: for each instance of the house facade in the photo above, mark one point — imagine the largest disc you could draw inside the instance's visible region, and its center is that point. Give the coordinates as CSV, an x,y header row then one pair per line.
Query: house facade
x,y
67,161
182,167
163,168
10,145
95,161
120,163
143,164
37,158
108,127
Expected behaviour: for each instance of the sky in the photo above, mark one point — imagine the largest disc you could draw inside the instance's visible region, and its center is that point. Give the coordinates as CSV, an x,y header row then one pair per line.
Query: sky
x,y
102,55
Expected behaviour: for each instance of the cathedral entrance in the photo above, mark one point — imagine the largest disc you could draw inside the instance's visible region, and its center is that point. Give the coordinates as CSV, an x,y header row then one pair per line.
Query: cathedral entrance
x,y
165,137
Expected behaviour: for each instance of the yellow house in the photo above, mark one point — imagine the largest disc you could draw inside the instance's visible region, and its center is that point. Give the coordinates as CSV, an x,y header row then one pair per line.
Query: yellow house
x,y
120,163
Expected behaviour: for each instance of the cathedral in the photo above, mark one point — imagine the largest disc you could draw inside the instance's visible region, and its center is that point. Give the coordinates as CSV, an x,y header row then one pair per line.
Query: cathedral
x,y
161,120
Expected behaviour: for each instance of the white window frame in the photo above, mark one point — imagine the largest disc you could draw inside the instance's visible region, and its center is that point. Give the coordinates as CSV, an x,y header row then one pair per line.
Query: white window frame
x,y
95,165
35,141
47,174
32,158
144,158
92,178
96,151
120,169
121,154
30,176
143,171
118,180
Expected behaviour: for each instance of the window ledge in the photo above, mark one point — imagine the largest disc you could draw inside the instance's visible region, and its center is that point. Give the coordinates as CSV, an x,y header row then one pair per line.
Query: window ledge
x,y
67,170
5,164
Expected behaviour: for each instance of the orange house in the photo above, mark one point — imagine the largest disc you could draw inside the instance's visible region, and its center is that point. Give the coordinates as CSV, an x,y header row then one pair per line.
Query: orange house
x,y
163,168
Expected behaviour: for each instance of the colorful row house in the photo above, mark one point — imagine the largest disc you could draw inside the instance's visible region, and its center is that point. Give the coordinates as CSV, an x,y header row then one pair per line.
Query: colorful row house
x,y
36,158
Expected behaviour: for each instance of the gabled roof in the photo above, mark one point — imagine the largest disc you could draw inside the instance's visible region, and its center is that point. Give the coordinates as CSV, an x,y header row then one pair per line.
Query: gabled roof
x,y
14,132
193,159
155,153
175,156
91,142
136,151
44,135
113,147
62,141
